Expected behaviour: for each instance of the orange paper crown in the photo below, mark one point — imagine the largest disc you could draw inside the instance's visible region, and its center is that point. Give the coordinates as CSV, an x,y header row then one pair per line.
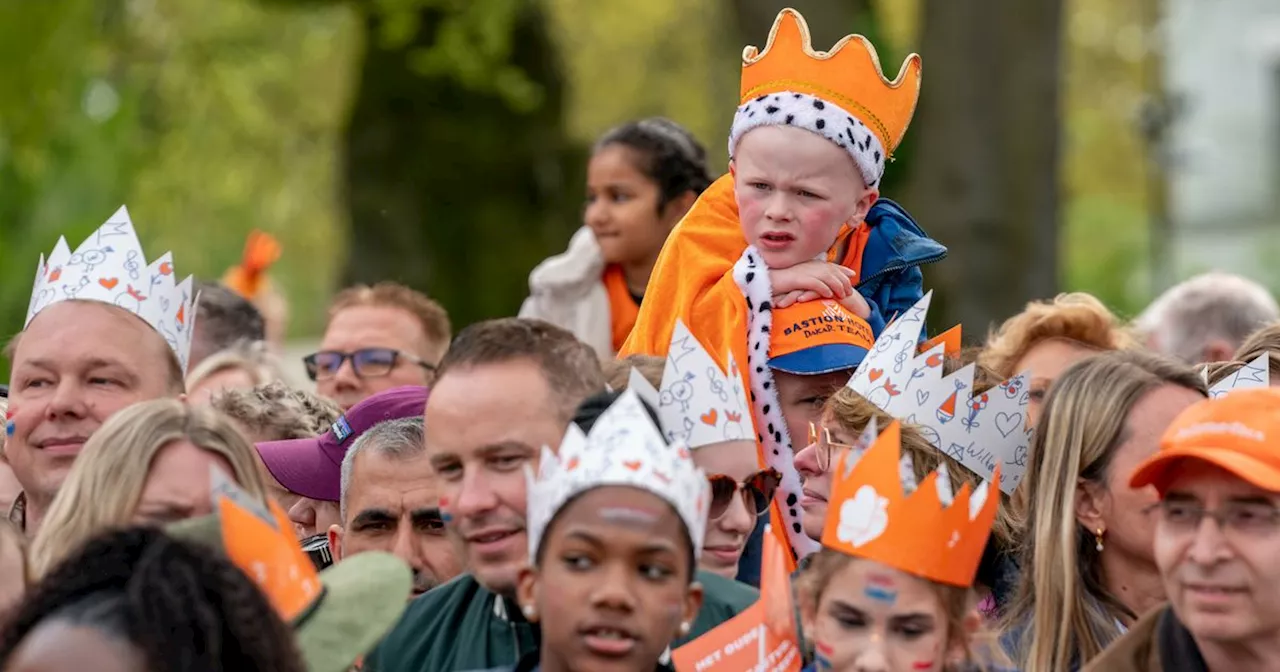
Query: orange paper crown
x,y
261,250
921,533
848,76
269,553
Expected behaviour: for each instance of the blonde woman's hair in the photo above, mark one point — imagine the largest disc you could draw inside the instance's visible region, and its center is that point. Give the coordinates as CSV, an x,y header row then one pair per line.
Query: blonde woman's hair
x,y
617,372
1076,317
1062,608
102,490
277,412
957,603
1266,339
252,357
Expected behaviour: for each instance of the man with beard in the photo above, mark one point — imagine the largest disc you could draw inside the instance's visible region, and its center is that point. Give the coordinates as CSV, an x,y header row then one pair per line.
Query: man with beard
x,y
391,502
505,389
104,330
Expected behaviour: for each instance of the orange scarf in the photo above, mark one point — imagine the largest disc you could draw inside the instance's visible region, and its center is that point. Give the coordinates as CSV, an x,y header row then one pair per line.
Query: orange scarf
x,y
623,309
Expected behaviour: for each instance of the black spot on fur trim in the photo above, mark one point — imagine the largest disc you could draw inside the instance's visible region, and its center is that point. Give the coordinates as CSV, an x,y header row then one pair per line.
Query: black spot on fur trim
x,y
790,118
877,155
757,348
764,330
750,114
761,98
819,104
765,307
760,438
821,124
777,436
760,369
792,511
771,428
753,397
766,408
749,303
849,132
791,501
772,109
751,275
796,527
796,96
852,121
766,383
775,451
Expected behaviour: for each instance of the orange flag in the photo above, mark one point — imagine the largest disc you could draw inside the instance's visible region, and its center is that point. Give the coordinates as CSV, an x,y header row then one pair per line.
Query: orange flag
x,y
760,639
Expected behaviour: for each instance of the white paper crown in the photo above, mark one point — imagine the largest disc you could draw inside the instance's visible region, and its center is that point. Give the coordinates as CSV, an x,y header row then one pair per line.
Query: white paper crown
x,y
622,448
1252,376
698,403
109,267
978,430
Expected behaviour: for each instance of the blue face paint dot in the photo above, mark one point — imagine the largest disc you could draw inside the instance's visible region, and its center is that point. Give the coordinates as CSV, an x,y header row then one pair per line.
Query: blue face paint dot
x,y
10,428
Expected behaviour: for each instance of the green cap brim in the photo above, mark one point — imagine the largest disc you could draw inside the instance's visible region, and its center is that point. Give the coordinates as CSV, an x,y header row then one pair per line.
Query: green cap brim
x,y
364,596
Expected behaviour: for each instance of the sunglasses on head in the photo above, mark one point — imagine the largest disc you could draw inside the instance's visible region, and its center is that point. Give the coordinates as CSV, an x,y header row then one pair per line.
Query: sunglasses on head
x,y
757,491
366,362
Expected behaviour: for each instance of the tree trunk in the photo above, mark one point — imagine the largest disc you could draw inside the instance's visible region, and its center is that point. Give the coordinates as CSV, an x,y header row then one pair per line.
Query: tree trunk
x,y
450,190
984,177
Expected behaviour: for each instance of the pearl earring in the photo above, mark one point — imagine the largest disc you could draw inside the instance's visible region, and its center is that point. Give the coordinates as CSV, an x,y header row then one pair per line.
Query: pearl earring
x,y
684,629
529,611
1098,537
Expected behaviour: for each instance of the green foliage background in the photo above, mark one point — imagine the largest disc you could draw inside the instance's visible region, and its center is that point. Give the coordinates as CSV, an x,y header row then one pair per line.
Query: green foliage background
x,y
210,118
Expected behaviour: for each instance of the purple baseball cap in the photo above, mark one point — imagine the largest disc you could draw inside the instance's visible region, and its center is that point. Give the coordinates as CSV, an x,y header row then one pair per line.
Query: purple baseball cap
x,y
313,467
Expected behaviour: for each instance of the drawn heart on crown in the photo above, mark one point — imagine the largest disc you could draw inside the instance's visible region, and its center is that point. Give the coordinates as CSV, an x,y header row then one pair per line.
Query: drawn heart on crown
x,y
55,274
874,374
633,465
1006,423
921,397
710,417
166,268
573,464
109,283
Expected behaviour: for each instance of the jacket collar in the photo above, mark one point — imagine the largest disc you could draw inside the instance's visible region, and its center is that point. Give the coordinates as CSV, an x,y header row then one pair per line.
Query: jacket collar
x,y
1178,650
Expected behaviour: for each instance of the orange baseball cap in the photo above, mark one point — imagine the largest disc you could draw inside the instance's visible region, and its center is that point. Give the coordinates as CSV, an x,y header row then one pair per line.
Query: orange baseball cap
x,y
816,337
1239,432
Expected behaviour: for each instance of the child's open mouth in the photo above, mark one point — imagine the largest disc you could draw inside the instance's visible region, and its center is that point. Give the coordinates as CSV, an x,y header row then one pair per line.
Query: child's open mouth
x,y
776,240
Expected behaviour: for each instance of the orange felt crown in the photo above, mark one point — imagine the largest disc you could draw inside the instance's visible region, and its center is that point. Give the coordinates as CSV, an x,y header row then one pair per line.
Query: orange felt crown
x,y
848,76
927,532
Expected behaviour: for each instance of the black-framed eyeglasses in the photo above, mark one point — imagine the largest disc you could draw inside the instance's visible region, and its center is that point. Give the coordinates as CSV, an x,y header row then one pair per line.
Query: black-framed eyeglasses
x,y
1242,518
366,362
757,491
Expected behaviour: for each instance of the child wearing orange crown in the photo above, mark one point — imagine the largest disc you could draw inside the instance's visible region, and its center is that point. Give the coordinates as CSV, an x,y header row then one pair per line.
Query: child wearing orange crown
x,y
797,218
891,590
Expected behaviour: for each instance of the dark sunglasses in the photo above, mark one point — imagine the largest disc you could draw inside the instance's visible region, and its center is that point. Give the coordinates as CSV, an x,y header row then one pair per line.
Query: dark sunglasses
x,y
757,491
367,362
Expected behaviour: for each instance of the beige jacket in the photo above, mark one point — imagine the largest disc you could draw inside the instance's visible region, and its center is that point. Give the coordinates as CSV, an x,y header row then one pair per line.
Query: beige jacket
x,y
567,291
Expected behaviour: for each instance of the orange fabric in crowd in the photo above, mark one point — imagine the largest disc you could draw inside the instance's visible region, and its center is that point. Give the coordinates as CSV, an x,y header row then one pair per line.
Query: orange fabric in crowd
x,y
623,309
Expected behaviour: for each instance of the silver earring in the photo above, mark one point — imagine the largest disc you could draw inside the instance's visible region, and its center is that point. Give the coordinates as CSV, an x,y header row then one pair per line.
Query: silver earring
x,y
684,629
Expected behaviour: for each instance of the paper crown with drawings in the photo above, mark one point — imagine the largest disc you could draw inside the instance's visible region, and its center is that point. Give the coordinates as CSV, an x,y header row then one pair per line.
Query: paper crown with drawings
x,y
841,94
623,448
978,429
879,512
1252,376
110,267
698,403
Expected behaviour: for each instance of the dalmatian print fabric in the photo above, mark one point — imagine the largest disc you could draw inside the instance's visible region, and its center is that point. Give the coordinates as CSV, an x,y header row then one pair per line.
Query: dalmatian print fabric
x,y
818,116
752,277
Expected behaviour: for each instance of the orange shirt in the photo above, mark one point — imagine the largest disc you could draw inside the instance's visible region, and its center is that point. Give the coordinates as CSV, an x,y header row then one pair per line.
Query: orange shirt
x,y
623,309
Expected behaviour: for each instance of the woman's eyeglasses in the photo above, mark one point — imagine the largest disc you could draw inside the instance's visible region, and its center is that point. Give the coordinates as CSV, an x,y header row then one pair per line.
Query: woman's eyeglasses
x,y
757,492
828,450
366,362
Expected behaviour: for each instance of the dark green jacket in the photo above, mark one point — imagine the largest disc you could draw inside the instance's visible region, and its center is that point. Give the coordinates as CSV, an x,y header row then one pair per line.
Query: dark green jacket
x,y
463,626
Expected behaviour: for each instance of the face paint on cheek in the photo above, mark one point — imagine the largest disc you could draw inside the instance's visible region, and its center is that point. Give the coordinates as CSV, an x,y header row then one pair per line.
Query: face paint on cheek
x,y
9,425
923,665
822,659
630,517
